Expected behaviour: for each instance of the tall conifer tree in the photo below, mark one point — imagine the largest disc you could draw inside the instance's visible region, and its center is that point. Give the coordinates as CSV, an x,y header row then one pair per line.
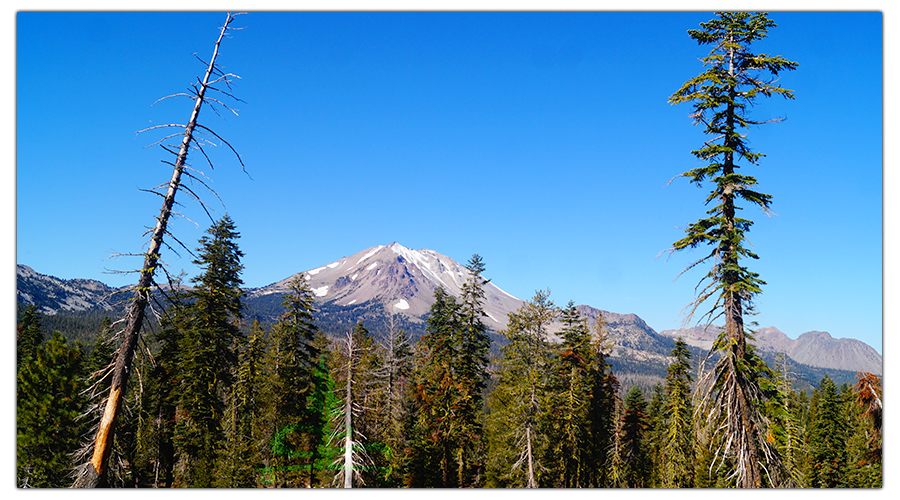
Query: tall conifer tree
x,y
49,402
722,95
677,458
434,428
298,425
520,403
208,354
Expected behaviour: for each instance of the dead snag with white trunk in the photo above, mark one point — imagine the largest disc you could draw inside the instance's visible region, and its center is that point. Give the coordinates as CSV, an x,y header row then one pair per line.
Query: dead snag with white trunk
x,y
92,473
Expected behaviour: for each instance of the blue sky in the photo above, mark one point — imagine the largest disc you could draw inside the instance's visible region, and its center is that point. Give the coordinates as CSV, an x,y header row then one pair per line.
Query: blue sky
x,y
542,141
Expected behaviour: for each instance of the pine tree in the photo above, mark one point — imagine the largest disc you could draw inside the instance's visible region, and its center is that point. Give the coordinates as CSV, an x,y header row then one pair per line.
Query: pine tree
x,y
436,393
208,354
471,369
242,455
722,96
827,437
636,462
28,333
49,402
677,455
519,404
298,428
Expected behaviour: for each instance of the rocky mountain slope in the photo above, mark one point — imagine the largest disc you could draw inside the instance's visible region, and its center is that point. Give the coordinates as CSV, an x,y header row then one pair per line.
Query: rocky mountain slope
x,y
811,348
402,280
53,295
393,283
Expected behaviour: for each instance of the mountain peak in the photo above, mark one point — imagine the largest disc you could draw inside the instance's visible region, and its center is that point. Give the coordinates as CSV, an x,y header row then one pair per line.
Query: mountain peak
x,y
402,279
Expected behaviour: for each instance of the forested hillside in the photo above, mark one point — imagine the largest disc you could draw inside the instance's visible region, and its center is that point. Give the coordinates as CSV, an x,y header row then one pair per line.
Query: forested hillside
x,y
191,382
224,401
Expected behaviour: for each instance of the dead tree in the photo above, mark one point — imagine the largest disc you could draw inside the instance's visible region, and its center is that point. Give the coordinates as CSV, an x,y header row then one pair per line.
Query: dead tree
x,y
93,473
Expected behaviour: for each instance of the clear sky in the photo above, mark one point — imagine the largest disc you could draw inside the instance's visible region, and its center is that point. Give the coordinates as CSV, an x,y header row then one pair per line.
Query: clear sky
x,y
542,141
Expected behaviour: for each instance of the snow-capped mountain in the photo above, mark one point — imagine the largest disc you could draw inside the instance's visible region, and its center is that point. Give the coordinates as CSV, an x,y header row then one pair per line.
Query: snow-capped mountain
x,y
401,282
402,279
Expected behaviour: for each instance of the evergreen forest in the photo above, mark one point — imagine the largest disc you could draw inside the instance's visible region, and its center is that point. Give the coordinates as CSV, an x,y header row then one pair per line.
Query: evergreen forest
x,y
184,391
220,403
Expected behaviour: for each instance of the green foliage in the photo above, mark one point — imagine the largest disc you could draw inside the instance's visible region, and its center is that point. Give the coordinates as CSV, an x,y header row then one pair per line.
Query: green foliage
x,y
446,434
28,333
635,462
299,394
49,401
827,437
677,454
520,402
722,96
207,355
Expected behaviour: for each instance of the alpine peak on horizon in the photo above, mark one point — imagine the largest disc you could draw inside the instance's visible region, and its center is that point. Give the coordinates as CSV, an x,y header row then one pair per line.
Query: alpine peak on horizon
x,y
402,279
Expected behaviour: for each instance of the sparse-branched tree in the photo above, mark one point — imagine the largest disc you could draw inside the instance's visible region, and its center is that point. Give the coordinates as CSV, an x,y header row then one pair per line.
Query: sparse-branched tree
x,y
519,404
92,473
722,96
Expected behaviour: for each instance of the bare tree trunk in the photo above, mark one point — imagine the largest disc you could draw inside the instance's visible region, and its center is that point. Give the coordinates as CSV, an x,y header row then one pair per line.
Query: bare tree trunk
x,y
348,426
93,475
531,483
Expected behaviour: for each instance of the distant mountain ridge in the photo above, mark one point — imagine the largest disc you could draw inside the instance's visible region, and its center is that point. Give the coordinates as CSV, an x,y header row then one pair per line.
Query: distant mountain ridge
x,y
52,294
811,348
393,282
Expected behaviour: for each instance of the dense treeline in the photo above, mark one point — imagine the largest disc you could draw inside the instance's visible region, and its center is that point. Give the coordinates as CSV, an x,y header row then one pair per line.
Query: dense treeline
x,y
223,403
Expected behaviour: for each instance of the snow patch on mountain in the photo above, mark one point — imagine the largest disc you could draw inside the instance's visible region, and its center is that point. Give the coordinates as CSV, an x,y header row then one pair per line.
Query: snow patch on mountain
x,y
403,304
313,272
371,253
321,291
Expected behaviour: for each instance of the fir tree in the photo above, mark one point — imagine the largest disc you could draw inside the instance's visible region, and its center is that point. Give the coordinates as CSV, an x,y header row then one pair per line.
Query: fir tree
x,y
208,354
434,429
636,462
572,397
722,96
28,333
677,456
49,402
471,370
519,402
827,437
604,390
298,427
654,436
242,455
